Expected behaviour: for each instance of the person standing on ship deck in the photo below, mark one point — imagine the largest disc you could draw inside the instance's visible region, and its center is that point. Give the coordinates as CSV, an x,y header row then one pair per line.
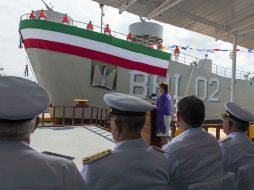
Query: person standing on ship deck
x,y
89,26
129,37
42,15
133,164
195,155
21,167
164,110
32,15
107,30
176,53
65,19
237,148
159,46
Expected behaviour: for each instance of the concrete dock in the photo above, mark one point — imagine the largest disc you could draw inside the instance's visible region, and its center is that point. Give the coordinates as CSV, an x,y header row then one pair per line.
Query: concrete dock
x,y
77,142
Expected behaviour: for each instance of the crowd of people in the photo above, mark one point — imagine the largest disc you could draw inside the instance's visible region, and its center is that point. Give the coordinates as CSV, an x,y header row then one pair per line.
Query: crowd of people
x,y
193,157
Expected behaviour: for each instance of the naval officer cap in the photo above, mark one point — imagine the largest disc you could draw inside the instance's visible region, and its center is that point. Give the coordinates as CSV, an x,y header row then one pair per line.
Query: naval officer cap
x,y
21,99
238,113
126,105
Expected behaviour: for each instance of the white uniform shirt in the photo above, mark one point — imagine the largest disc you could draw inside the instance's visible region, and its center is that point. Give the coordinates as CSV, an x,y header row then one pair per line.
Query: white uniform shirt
x,y
132,165
21,167
193,156
237,151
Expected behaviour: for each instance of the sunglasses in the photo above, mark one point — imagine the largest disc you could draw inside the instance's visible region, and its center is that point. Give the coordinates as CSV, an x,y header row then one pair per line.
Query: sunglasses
x,y
225,116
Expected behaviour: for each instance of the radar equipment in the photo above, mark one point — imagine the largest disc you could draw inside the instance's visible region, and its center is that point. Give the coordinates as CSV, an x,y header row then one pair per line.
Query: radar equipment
x,y
146,33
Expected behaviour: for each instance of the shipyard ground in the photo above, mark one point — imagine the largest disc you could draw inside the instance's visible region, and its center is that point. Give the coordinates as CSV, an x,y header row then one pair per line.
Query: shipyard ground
x,y
77,142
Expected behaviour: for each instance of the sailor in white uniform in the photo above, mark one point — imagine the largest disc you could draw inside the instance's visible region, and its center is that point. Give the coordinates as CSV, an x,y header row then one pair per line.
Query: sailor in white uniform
x,y
195,155
133,164
237,148
21,167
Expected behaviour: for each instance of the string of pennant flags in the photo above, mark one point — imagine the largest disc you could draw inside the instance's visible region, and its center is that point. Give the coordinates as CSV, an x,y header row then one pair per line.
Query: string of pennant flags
x,y
214,50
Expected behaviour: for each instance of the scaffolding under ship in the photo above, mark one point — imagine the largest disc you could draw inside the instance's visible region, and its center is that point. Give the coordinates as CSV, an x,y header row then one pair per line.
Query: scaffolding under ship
x,y
68,71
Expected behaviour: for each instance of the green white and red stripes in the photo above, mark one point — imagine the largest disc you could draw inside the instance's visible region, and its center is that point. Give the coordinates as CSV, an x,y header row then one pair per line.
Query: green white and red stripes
x,y
93,45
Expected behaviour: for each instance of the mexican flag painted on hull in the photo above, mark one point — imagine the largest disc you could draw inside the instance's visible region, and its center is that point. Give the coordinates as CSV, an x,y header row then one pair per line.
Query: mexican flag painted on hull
x,y
93,45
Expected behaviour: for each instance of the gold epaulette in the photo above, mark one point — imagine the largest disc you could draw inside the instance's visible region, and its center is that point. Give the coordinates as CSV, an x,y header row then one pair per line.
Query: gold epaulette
x,y
157,148
225,139
96,156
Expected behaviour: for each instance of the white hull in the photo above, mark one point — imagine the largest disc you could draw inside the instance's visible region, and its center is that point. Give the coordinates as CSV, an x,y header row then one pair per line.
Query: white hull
x,y
68,77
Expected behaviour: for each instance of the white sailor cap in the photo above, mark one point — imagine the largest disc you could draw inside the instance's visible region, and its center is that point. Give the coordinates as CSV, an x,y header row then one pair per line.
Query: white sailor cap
x,y
238,113
21,99
126,105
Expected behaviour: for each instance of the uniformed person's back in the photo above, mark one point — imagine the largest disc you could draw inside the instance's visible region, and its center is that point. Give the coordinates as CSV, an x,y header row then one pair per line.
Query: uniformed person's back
x,y
21,167
133,164
193,156
237,148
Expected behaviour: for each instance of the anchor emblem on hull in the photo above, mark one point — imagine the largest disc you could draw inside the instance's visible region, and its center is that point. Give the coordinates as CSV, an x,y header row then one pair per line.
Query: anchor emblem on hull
x,y
102,78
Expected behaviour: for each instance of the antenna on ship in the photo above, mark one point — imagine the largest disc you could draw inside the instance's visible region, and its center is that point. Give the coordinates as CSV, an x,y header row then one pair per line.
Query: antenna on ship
x,y
26,72
47,6
29,67
51,5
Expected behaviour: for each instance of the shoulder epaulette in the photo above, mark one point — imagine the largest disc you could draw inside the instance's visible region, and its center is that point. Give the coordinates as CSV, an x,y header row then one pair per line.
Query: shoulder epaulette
x,y
97,156
225,139
158,149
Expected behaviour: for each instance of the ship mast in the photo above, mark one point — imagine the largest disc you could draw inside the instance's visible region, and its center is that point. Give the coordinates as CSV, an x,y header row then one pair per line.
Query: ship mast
x,y
47,6
102,14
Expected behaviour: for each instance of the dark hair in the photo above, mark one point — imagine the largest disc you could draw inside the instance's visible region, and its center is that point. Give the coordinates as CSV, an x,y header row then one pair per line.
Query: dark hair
x,y
164,86
241,126
192,110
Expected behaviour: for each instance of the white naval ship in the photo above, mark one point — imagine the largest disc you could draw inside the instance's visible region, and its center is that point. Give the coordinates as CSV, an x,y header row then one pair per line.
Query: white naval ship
x,y
72,62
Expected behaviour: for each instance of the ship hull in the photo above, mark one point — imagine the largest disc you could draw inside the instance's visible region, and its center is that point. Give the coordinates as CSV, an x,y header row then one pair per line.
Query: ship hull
x,y
68,77
73,63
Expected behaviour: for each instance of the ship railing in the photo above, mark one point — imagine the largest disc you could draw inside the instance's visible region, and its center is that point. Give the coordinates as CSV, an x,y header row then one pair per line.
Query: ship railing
x,y
183,57
95,116
61,116
225,72
79,24
216,69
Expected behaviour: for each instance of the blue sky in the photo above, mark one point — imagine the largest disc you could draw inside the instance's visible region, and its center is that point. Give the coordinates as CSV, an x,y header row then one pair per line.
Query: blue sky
x,y
13,59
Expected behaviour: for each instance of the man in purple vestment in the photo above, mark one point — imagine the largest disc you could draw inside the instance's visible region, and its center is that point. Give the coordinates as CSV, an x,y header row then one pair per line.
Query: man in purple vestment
x,y
164,110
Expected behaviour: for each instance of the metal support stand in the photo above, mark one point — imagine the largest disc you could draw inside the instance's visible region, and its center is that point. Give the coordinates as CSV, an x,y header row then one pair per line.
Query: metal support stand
x,y
102,14
232,97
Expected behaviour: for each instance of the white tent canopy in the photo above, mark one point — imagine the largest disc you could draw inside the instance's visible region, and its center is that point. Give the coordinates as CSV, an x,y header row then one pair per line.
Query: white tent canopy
x,y
228,20
220,19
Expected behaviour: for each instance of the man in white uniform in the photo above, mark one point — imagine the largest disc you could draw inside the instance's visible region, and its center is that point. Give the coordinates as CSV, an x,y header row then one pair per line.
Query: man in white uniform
x,y
21,167
195,155
237,148
133,164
